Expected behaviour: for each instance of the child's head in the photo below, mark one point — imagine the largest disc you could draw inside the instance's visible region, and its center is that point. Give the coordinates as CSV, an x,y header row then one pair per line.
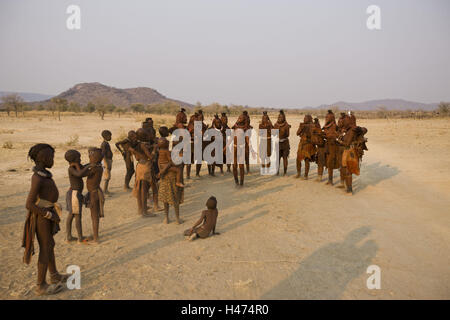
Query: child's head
x,y
72,156
142,135
42,154
132,136
163,131
95,155
211,203
106,134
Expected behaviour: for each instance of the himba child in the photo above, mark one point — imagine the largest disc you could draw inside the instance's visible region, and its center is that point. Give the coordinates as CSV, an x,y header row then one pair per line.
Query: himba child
x,y
107,158
165,163
169,193
74,196
206,225
95,199
147,125
43,219
123,146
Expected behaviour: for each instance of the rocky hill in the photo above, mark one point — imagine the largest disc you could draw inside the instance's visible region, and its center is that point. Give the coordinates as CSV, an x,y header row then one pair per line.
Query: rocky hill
x,y
84,93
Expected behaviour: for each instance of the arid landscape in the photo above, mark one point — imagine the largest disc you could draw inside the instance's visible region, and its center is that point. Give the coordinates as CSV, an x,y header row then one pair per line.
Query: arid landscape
x,y
280,237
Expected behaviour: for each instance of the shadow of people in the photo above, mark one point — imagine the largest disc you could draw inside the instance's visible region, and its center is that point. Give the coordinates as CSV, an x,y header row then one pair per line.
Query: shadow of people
x,y
326,272
372,174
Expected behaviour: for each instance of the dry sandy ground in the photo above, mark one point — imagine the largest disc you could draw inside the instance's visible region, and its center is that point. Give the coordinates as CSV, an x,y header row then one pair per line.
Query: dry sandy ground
x,y
281,237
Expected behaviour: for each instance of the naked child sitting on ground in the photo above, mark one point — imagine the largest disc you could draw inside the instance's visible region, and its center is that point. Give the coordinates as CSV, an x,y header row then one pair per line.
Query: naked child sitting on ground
x,y
206,225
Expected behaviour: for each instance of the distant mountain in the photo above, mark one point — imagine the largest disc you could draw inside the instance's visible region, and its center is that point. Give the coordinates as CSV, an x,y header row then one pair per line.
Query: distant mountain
x,y
84,93
389,104
28,96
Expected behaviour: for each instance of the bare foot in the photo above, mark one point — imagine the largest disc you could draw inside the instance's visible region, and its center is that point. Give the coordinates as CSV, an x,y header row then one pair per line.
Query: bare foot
x,y
46,289
58,278
71,239
84,240
192,237
179,184
148,215
166,220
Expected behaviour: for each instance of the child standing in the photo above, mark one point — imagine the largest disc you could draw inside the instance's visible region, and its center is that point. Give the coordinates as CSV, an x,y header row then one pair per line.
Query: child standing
x,y
43,220
165,163
95,199
107,158
74,197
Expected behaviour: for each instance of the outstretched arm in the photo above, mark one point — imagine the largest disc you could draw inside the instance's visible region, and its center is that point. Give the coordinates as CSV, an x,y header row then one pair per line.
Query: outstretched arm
x,y
214,230
119,145
79,173
199,221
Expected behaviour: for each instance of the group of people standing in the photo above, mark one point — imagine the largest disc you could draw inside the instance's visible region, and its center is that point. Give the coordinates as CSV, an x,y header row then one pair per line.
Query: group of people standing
x,y
337,145
45,214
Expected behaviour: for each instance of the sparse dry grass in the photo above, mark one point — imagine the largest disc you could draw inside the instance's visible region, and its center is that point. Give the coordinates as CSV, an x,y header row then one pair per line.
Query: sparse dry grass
x,y
73,140
7,145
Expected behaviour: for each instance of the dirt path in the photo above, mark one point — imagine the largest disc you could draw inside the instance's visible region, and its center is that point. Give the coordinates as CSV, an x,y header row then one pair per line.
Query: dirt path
x,y
281,237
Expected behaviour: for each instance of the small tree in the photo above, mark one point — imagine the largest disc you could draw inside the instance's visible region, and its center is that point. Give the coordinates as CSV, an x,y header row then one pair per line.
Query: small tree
x,y
12,102
26,107
137,107
74,107
110,107
101,105
119,111
101,109
444,108
60,104
90,107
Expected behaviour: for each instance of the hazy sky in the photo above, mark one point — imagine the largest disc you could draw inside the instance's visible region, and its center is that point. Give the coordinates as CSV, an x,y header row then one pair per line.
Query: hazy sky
x,y
277,53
